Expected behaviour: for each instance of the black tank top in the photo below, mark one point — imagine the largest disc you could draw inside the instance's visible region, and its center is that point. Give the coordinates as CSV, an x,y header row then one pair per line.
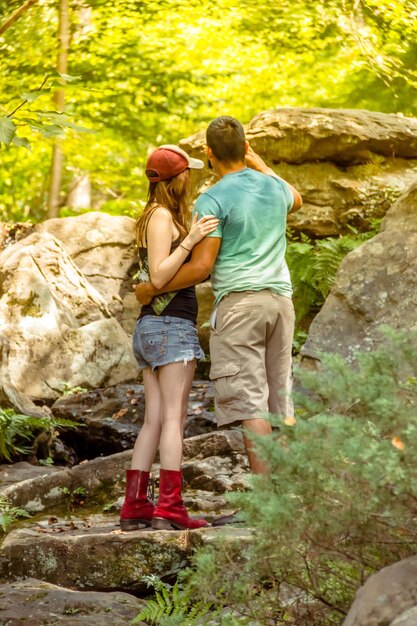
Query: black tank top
x,y
182,303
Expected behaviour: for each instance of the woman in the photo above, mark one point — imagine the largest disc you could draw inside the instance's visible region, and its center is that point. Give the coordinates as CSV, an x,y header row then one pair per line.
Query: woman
x,y
165,342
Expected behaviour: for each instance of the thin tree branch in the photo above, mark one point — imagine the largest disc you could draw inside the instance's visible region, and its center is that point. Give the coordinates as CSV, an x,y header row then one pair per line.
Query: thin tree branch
x,y
22,104
16,14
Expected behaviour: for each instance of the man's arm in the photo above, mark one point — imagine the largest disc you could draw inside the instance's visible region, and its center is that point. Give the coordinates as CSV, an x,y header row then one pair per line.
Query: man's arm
x,y
195,271
255,162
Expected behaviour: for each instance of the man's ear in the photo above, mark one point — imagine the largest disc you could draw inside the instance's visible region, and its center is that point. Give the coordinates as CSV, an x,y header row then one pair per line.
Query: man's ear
x,y
246,147
209,152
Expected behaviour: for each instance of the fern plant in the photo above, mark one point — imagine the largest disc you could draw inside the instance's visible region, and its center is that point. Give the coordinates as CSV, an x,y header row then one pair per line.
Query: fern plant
x,y
313,266
9,514
18,432
173,606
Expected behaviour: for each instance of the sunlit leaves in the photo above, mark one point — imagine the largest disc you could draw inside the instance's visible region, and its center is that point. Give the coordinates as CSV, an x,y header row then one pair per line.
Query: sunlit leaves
x,y
7,130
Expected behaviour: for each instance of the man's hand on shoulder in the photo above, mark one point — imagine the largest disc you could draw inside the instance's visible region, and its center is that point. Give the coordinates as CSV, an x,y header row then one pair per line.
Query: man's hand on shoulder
x,y
144,292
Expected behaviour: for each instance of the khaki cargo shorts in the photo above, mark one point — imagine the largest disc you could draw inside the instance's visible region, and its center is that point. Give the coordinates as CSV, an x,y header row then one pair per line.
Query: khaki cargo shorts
x,y
251,362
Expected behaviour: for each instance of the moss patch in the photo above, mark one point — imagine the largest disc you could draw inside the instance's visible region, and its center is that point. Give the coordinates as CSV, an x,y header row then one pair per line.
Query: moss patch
x,y
27,305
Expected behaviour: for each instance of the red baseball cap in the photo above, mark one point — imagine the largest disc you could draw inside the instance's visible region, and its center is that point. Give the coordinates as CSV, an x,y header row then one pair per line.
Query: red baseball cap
x,y
168,161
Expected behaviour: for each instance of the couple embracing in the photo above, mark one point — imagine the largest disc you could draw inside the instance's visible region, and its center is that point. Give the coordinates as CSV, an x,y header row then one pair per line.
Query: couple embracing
x,y
237,236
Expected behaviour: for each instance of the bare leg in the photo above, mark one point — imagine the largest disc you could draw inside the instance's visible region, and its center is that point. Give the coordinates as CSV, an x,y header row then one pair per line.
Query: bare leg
x,y
147,441
175,382
258,427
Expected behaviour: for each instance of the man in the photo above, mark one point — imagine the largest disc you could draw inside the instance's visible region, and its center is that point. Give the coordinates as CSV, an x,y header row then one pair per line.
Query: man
x,y
253,318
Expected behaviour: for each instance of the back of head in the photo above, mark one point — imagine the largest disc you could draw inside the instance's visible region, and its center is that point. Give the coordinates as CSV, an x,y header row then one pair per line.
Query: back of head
x,y
226,138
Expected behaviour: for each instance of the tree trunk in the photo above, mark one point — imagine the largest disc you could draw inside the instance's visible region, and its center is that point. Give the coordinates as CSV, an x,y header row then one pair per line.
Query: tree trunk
x,y
15,15
59,102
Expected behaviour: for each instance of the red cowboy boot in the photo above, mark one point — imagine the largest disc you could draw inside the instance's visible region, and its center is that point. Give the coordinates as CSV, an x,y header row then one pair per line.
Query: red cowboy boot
x,y
170,512
137,508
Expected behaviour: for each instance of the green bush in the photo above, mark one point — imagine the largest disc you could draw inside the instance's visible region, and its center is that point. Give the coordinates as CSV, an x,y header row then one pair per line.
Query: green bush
x,y
340,500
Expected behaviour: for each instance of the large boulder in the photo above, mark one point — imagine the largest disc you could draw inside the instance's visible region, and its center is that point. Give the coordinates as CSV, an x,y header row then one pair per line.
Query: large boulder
x,y
349,165
102,246
387,595
59,328
376,284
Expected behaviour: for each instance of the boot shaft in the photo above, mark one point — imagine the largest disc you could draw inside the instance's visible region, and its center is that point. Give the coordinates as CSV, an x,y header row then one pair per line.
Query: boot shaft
x,y
170,512
137,483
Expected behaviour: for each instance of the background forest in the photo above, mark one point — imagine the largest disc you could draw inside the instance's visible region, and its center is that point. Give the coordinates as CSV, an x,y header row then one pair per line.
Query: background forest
x,y
151,72
87,87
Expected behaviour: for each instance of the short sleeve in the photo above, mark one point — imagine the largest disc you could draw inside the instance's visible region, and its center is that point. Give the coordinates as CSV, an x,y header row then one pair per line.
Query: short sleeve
x,y
207,205
289,198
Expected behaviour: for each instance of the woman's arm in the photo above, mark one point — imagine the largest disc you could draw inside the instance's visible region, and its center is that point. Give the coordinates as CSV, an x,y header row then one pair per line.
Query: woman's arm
x,y
163,265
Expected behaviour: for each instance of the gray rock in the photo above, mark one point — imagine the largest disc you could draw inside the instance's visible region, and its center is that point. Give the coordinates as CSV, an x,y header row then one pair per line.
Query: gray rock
x,y
297,135
36,603
103,248
94,554
408,618
59,327
43,488
385,596
375,284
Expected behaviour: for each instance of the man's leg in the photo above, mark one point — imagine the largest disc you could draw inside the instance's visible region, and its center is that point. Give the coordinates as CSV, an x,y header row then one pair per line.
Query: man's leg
x,y
259,427
237,347
279,357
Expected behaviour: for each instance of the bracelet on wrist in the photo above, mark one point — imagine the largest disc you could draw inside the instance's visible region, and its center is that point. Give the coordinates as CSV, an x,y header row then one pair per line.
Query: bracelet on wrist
x,y
188,250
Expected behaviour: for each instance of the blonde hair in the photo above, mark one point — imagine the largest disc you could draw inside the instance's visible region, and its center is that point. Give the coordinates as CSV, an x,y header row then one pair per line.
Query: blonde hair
x,y
173,195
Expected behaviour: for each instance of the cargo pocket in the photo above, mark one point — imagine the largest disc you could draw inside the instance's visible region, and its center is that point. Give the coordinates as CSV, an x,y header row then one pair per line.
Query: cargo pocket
x,y
228,386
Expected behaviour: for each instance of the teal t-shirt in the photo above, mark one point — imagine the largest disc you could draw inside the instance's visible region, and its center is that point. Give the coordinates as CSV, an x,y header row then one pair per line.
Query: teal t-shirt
x,y
252,208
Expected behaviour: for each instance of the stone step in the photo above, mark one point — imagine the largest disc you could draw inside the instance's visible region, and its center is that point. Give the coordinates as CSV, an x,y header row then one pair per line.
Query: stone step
x,y
34,603
94,554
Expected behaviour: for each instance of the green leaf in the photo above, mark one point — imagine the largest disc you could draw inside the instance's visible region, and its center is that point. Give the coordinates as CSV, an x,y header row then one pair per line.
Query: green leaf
x,y
21,142
31,96
7,130
69,78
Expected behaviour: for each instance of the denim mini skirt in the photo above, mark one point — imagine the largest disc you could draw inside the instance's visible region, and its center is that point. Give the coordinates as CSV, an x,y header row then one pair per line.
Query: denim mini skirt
x,y
159,340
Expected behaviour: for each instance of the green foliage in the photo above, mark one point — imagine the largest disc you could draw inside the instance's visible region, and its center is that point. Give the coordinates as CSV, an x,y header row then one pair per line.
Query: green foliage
x,y
68,390
172,606
18,432
150,74
9,514
77,496
340,500
313,266
48,123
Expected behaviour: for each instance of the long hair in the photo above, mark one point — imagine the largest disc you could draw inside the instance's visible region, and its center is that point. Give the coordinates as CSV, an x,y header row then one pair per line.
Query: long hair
x,y
173,195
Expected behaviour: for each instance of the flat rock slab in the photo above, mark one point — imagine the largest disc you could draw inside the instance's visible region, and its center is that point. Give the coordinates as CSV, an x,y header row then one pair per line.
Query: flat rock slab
x,y
41,488
35,603
18,472
100,556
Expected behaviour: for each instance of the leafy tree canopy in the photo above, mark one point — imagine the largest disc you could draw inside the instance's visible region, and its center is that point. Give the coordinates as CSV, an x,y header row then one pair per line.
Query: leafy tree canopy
x,y
155,71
